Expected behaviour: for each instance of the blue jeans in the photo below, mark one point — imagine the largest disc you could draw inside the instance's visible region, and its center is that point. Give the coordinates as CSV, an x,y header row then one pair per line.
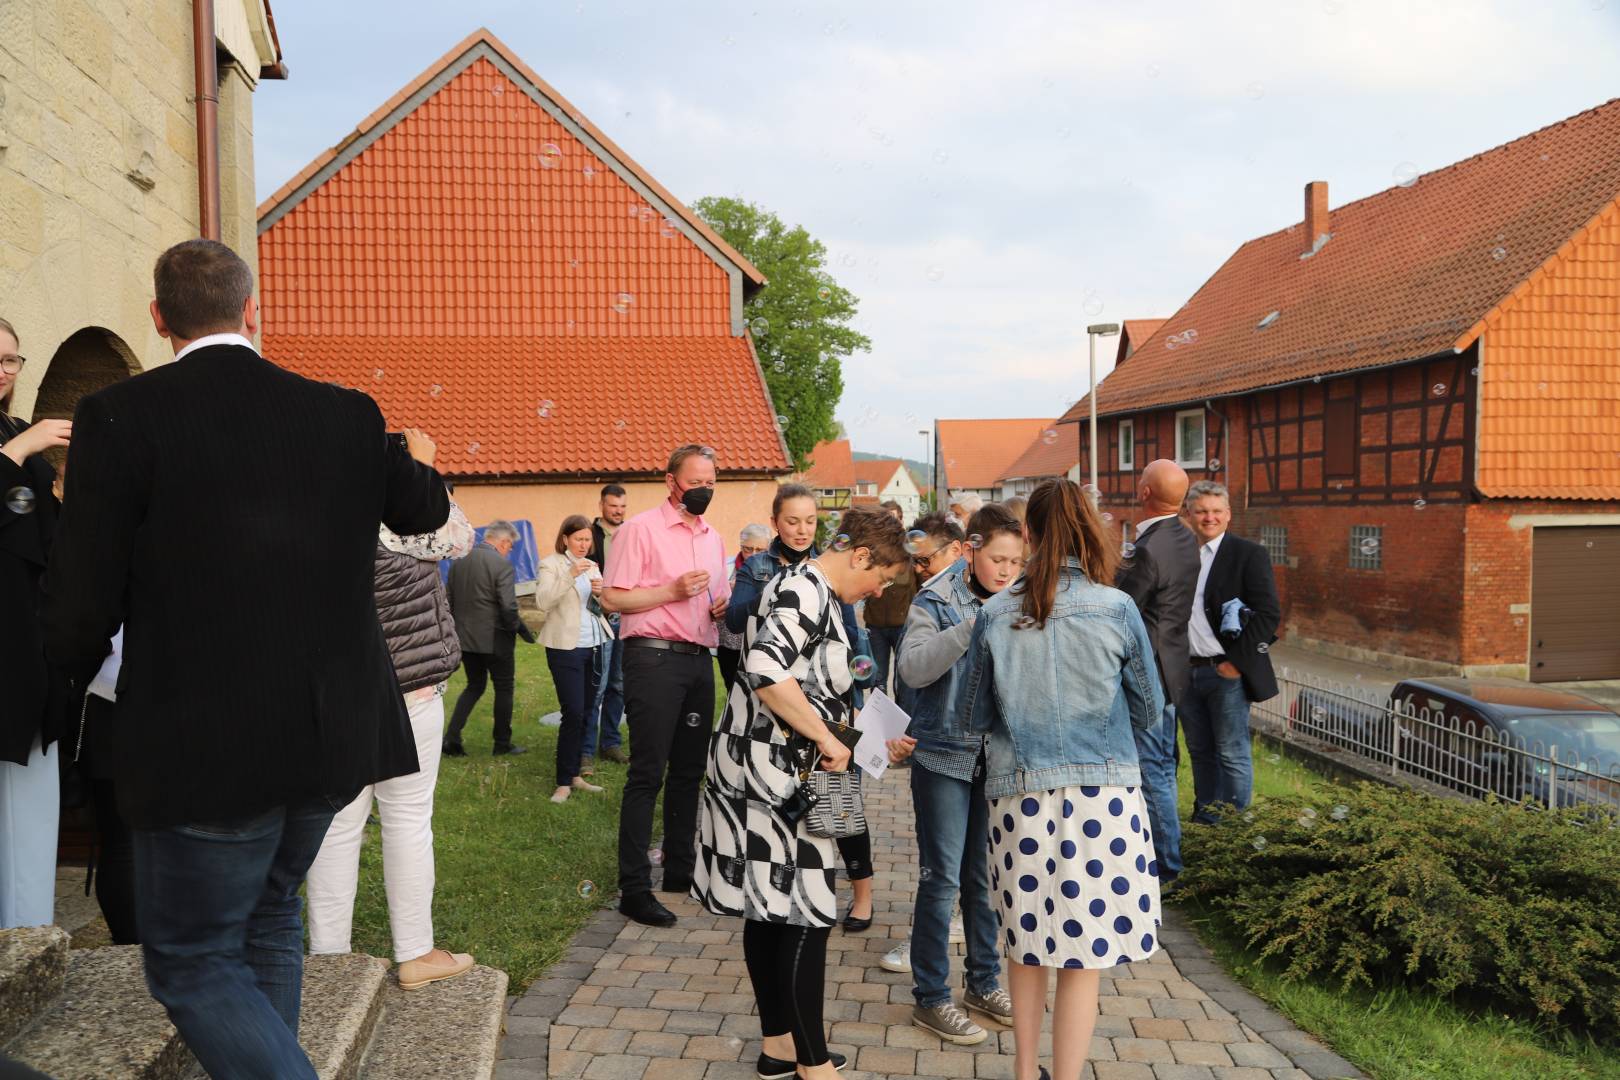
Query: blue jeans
x,y
223,938
1215,723
1156,752
607,711
884,641
953,850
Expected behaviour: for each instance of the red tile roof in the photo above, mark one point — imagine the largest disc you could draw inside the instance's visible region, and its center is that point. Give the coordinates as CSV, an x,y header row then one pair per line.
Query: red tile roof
x,y
477,248
1410,272
831,465
1134,334
976,453
877,471
1054,452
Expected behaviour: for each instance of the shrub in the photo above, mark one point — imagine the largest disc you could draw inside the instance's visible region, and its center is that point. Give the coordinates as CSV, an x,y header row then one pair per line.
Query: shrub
x,y
1518,907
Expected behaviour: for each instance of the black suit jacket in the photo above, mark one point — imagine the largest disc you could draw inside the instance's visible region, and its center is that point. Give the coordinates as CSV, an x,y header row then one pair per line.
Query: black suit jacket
x,y
1162,576
35,702
1242,569
225,512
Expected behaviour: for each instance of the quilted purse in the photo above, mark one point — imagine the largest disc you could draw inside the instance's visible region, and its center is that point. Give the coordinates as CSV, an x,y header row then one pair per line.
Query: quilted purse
x,y
835,809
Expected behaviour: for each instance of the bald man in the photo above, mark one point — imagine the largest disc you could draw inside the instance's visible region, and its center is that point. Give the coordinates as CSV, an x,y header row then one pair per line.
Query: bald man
x,y
1161,575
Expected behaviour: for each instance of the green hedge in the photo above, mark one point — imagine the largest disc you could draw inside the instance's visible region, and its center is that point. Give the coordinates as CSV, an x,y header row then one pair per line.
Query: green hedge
x,y
1518,909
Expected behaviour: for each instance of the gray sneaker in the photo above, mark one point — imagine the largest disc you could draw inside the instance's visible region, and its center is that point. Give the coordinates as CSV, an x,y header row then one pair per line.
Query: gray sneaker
x,y
997,1005
950,1023
897,959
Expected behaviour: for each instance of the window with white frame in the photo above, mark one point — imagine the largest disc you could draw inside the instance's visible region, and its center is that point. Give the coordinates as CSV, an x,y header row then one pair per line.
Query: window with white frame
x,y
1190,438
1127,445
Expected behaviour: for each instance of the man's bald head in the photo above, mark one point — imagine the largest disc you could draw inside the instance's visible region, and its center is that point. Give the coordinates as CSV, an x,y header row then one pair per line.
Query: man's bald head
x,y
1164,486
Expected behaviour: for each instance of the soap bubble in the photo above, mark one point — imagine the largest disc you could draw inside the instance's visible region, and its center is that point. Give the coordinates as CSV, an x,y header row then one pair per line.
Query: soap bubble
x,y
780,366
1127,549
1049,436
862,668
1418,504
694,719
935,273
1259,843
668,229
645,214
1339,812
1263,647
655,856
587,889
378,374
1273,759
760,326
1439,389
620,425
474,447
1214,463
915,539
841,542
1256,90
824,294
20,500
1498,253
1318,714
1306,821
781,422
975,541
622,302
1091,492
1107,516
1024,622
1308,813
435,390
1406,174
1369,545
550,156
588,172
1248,815
545,409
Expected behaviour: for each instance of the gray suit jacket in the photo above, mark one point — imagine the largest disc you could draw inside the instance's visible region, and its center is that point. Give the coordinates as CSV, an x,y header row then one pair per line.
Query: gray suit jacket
x,y
1162,577
483,601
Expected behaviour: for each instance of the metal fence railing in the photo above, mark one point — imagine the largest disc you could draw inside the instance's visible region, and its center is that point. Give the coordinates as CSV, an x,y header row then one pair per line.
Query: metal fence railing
x,y
1429,744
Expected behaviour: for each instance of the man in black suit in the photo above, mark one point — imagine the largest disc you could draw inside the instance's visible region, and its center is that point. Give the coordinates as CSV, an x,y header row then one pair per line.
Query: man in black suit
x,y
225,512
1231,667
1161,575
483,601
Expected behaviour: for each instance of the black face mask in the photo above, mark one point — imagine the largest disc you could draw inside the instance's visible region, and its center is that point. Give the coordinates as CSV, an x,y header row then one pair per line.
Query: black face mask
x,y
696,500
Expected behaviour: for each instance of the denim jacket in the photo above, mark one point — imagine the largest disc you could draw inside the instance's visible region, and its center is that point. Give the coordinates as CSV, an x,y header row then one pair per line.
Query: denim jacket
x,y
1060,703
947,743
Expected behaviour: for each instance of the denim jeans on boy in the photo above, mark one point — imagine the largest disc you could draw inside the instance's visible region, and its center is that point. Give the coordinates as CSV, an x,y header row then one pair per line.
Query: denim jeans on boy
x,y
1156,754
953,847
223,937
1215,722
884,642
607,712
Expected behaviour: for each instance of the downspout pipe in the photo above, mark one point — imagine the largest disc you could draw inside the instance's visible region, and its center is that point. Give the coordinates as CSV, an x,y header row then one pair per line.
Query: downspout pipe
x,y
1226,450
206,65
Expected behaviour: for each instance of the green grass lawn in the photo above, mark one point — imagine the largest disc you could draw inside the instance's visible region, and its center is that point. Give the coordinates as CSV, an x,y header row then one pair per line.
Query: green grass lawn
x,y
1392,1033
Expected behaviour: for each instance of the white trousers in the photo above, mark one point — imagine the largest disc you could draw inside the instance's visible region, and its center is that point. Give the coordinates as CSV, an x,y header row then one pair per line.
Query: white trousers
x,y
30,807
405,806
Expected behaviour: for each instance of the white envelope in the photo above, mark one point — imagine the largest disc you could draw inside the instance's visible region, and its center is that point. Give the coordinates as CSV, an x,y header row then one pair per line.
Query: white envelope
x,y
880,720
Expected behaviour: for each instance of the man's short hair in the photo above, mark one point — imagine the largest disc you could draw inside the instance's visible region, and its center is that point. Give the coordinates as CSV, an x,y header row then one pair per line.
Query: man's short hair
x,y
613,489
892,507
1203,488
940,527
689,450
200,287
500,530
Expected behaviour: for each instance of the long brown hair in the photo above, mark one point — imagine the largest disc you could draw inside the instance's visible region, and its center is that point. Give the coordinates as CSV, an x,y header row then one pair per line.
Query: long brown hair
x,y
1062,525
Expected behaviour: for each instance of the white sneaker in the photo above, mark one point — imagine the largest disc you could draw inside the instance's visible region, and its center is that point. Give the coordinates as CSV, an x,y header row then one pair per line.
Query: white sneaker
x,y
958,933
897,959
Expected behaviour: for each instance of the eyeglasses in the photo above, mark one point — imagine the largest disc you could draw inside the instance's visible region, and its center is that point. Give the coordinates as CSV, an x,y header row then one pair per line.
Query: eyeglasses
x,y
924,560
12,364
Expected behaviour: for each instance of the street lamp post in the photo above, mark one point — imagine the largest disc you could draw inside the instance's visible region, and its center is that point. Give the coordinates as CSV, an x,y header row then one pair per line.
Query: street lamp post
x,y
927,451
1094,331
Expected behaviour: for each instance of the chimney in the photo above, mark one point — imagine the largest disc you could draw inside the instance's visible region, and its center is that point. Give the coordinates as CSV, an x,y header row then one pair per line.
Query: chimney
x,y
1316,216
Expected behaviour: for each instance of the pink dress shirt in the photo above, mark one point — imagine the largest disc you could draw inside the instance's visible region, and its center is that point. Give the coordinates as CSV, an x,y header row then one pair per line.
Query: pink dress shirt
x,y
654,548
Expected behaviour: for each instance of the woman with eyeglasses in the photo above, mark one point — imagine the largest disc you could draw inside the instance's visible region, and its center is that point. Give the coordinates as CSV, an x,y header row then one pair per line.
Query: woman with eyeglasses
x,y
753,540
794,517
34,709
755,860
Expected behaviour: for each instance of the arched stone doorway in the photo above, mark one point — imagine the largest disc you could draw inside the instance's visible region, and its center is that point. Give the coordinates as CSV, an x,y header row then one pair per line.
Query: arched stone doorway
x,y
88,360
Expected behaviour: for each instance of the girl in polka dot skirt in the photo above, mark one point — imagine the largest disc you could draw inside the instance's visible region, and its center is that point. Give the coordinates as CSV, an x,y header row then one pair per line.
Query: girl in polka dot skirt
x,y
1061,672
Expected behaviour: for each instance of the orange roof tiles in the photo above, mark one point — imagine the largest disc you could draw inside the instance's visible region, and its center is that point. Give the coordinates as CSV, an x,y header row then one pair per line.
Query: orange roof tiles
x,y
1410,272
476,248
1054,452
831,465
877,471
976,453
1133,334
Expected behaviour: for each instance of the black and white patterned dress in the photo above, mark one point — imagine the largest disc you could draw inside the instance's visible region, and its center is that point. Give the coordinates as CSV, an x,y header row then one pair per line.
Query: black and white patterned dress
x,y
749,862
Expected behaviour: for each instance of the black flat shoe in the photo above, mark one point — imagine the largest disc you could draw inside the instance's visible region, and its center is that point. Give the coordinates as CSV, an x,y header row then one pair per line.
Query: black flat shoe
x,y
852,925
644,909
500,750
452,749
770,1068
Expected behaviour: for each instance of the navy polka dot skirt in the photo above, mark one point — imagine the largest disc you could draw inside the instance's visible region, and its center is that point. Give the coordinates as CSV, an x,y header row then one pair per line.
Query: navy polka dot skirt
x,y
1074,877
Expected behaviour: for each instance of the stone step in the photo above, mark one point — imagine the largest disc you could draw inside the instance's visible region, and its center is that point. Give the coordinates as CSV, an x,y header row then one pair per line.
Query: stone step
x,y
104,1025
449,1029
343,1000
33,966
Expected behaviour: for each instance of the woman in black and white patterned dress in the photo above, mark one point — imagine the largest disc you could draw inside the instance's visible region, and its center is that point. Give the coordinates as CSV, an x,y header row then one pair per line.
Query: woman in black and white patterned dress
x,y
795,679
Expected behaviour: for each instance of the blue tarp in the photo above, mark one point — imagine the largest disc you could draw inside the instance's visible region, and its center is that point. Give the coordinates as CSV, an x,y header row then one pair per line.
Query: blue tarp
x,y
523,557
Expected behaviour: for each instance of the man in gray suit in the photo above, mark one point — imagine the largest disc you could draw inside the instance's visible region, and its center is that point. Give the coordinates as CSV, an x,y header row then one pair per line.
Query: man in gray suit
x,y
1161,575
483,600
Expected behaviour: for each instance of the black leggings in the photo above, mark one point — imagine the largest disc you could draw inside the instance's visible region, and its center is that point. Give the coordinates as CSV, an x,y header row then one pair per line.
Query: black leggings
x,y
857,855
788,967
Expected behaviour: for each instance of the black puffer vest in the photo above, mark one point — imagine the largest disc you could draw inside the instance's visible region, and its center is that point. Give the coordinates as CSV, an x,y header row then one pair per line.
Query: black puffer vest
x,y
415,615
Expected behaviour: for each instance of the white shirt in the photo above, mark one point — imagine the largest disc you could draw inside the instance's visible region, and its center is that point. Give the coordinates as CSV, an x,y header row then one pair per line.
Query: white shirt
x,y
231,338
105,684
590,633
1200,635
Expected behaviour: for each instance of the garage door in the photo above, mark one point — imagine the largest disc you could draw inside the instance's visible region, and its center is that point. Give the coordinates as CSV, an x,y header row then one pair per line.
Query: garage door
x,y
1575,603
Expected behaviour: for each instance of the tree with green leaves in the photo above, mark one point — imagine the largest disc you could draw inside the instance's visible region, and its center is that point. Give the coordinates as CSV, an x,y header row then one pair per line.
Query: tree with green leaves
x,y
800,320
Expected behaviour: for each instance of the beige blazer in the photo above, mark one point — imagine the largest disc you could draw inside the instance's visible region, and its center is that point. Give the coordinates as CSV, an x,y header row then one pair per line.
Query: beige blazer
x,y
558,602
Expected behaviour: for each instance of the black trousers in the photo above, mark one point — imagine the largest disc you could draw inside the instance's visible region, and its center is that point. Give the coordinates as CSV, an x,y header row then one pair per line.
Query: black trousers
x,y
788,967
573,674
730,662
857,855
669,699
498,667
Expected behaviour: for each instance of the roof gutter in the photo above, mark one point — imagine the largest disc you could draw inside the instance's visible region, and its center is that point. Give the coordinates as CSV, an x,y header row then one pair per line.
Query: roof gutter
x,y
205,63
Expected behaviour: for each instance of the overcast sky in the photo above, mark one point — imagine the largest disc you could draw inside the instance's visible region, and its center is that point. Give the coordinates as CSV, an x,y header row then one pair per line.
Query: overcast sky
x,y
990,177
